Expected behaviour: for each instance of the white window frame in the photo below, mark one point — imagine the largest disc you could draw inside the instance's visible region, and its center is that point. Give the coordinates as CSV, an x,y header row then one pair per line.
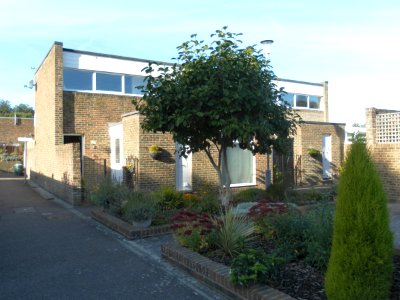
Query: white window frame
x,y
94,83
308,101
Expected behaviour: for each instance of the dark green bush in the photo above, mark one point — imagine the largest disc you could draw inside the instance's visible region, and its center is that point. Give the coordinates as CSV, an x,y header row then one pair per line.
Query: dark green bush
x,y
319,235
299,235
255,266
110,196
208,203
139,207
360,266
249,195
169,198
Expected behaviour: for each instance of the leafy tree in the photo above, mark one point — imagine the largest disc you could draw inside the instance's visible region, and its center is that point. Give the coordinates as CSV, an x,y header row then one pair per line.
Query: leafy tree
x,y
5,107
20,110
220,95
360,266
23,110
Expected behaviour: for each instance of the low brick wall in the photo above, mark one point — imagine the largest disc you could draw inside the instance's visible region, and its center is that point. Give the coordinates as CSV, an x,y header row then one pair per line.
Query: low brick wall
x,y
216,274
126,229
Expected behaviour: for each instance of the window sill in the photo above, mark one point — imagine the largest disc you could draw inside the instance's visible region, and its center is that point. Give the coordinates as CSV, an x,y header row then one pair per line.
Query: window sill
x,y
243,184
103,92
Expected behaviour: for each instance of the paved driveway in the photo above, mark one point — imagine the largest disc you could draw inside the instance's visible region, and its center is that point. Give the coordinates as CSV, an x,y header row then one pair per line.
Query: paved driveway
x,y
51,251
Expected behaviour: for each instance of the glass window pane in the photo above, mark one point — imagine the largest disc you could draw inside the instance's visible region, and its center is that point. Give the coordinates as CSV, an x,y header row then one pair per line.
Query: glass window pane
x,y
132,83
240,165
108,82
288,98
117,151
314,101
77,80
301,101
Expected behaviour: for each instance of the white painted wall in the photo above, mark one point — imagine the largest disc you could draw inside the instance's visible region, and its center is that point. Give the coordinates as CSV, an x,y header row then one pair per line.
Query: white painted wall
x,y
104,64
301,88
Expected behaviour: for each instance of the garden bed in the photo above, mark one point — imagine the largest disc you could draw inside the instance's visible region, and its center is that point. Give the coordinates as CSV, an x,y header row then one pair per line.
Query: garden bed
x,y
126,229
216,274
298,280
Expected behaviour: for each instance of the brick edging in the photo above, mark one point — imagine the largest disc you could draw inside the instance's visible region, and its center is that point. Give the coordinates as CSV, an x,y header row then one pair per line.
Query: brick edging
x,y
216,274
126,229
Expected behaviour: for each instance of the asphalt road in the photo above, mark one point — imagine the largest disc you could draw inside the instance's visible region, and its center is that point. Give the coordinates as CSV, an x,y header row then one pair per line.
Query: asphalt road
x,y
49,250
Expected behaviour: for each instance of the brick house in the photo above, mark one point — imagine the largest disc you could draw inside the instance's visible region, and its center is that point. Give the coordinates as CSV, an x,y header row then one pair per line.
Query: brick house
x,y
310,101
383,141
87,128
11,128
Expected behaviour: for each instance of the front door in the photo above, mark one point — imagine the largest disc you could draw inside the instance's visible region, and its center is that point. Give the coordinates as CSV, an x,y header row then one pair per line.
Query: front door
x,y
326,156
183,171
116,156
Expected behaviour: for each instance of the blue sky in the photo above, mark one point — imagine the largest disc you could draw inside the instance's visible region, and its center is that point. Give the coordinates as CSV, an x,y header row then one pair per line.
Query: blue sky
x,y
354,45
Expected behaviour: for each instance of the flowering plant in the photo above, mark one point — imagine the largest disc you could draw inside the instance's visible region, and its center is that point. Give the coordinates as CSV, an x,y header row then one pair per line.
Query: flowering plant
x,y
192,229
264,207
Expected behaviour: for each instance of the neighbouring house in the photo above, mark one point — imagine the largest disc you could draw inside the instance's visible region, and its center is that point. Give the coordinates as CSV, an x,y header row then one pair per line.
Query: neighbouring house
x,y
13,131
86,129
383,141
318,147
11,128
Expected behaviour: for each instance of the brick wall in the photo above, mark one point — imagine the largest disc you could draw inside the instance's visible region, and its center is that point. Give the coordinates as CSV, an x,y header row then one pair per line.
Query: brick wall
x,y
309,135
154,173
386,156
65,181
88,115
45,114
9,131
311,115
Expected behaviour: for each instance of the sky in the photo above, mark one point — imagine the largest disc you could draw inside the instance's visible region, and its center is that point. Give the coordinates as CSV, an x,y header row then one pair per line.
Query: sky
x,y
354,45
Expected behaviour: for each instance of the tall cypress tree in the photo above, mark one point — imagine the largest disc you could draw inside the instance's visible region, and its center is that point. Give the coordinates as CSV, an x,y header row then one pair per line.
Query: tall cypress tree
x,y
361,262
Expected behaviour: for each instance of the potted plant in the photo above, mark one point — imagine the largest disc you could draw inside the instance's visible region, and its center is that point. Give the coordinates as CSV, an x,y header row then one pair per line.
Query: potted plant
x,y
314,153
155,151
140,209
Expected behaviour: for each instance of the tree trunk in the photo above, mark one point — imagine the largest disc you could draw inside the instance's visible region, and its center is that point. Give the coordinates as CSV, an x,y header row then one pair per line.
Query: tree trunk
x,y
225,192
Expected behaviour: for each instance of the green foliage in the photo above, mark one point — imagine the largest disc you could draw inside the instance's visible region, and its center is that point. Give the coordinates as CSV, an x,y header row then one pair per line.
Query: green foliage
x,y
249,195
360,266
319,235
169,198
219,94
276,191
20,110
358,137
300,236
193,230
110,196
314,152
254,266
231,231
139,207
310,195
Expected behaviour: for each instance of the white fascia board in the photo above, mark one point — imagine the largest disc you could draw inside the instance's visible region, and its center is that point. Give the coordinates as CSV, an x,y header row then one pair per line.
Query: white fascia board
x,y
301,88
104,64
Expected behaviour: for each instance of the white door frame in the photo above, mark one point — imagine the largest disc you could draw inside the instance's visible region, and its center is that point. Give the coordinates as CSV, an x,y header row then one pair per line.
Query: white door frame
x,y
116,157
183,171
326,156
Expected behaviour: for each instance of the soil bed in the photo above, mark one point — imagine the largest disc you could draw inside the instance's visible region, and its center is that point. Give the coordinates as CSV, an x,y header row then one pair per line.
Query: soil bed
x,y
302,281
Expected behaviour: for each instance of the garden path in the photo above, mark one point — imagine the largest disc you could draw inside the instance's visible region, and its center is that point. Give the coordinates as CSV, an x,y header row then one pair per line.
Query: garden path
x,y
50,250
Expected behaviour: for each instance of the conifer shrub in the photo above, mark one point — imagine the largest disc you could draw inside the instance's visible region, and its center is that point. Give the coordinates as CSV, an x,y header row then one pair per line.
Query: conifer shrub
x,y
360,265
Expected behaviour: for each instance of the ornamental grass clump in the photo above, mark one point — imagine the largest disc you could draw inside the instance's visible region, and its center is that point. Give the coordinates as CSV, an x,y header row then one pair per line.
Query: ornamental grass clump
x,y
232,231
360,265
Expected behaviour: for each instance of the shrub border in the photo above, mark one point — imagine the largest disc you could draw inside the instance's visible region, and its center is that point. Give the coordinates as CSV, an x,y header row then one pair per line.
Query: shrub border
x,y
126,229
216,274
